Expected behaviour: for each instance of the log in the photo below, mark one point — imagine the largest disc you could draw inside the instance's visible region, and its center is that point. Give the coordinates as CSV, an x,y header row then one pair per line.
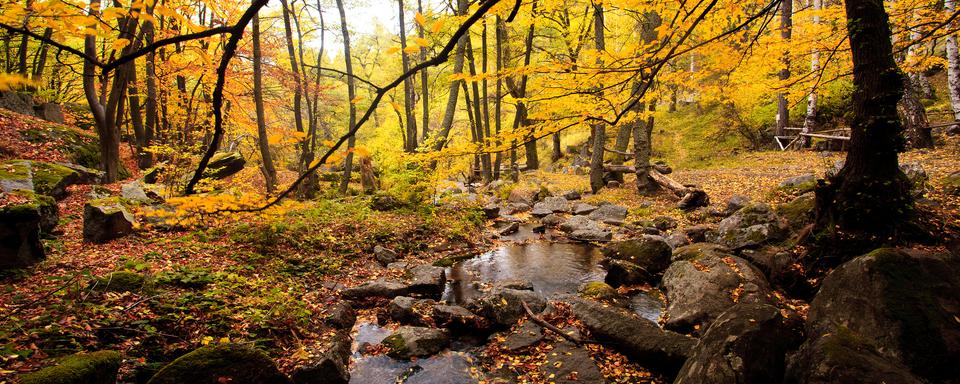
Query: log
x,y
667,183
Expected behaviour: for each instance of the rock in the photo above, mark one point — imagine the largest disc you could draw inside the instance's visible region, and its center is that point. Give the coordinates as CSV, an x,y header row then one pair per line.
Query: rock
x,y
455,317
664,223
520,285
99,367
330,367
600,291
641,340
694,199
554,205
591,235
699,233
52,112
105,220
698,291
614,184
583,209
569,364
238,363
509,229
383,202
24,217
551,220
663,168
621,272
36,176
427,280
518,207
778,266
119,281
576,223
751,226
491,211
649,252
735,203
408,310
951,184
409,342
384,255
526,335
697,251
798,212
844,358
375,289
341,315
917,176
677,239
798,185
572,195
609,214
540,211
953,130
747,344
224,164
502,306
904,303
523,196
21,103
134,192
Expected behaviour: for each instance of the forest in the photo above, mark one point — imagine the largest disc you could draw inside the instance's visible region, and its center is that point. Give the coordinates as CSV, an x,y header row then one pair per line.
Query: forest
x,y
479,191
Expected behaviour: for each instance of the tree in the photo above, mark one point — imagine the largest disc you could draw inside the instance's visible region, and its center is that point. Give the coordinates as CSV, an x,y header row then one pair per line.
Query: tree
x,y
598,130
810,119
351,96
953,64
786,29
269,171
408,92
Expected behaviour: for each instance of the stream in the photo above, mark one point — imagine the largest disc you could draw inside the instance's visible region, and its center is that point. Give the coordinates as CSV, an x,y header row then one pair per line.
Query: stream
x,y
551,267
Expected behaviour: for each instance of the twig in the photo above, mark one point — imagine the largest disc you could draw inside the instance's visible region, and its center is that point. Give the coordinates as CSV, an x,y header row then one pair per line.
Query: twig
x,y
37,300
543,323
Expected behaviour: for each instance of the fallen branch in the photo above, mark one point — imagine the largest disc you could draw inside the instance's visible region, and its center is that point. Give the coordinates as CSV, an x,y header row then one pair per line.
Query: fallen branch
x,y
543,323
667,183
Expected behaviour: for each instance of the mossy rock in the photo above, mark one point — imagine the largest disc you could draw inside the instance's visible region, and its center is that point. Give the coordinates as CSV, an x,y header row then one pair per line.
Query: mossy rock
x,y
697,251
83,368
120,281
798,185
951,184
600,291
44,178
651,253
233,363
23,219
799,211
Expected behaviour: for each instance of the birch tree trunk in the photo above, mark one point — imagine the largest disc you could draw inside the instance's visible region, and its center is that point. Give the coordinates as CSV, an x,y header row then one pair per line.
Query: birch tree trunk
x,y
408,94
268,170
810,120
786,27
953,64
424,82
599,129
351,95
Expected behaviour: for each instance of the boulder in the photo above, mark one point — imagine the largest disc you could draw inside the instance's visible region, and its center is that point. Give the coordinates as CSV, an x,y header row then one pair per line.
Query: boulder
x,y
330,367
384,255
751,226
43,178
664,223
509,228
677,239
105,220
609,214
551,220
408,342
24,217
385,289
917,176
799,211
639,339
583,209
408,310
568,363
602,292
553,204
502,306
698,291
951,184
622,272
224,164
697,251
798,185
99,367
747,344
455,317
341,315
577,223
735,203
591,235
526,335
572,195
238,363
134,192
52,112
904,303
427,280
540,211
523,196
651,253
21,103
844,358
491,211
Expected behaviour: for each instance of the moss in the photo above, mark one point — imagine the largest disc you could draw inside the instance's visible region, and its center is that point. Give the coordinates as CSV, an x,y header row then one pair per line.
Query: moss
x,y
120,281
601,291
396,347
951,184
35,205
221,363
15,170
449,261
798,212
51,179
798,189
89,368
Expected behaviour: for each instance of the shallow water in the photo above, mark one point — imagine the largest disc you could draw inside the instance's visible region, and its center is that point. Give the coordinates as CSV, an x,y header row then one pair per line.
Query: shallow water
x,y
451,366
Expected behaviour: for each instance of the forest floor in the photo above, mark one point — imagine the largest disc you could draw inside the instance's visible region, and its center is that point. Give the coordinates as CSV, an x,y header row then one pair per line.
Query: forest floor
x,y
270,279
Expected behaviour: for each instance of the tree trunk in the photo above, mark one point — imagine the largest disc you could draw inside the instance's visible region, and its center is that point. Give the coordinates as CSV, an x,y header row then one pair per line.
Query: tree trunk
x,y
786,27
269,171
424,82
150,104
40,63
868,202
953,64
530,146
478,115
453,93
810,119
599,129
298,88
136,119
408,93
351,95
915,123
500,34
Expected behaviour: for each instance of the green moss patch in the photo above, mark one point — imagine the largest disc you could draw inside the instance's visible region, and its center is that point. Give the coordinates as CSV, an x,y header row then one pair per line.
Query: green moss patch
x,y
120,281
235,363
87,368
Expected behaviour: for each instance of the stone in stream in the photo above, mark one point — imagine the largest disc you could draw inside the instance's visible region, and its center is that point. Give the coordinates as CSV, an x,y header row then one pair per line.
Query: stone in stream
x,y
568,363
525,336
409,342
903,303
509,229
427,280
455,317
649,252
699,290
330,367
641,340
697,251
747,344
602,292
341,315
502,306
540,211
384,255
583,209
386,289
408,310
491,211
572,195
105,220
551,220
221,363
553,204
609,214
23,219
591,235
622,272
751,226
576,223
99,367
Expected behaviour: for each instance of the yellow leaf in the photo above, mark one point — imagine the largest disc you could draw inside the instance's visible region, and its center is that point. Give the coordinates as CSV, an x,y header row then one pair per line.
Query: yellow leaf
x,y
393,50
420,19
327,143
437,25
421,41
356,100
120,44
412,49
